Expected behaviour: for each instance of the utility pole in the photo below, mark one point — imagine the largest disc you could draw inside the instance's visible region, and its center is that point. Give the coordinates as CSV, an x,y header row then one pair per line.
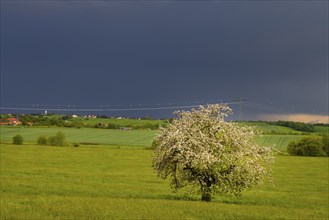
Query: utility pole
x,y
240,105
240,101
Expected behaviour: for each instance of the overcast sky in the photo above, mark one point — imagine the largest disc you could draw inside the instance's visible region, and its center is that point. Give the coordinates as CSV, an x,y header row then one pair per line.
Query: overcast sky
x,y
86,53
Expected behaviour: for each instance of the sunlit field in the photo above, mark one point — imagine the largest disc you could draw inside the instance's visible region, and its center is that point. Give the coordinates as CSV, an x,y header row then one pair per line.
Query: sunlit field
x,y
102,100
83,135
142,138
279,142
103,182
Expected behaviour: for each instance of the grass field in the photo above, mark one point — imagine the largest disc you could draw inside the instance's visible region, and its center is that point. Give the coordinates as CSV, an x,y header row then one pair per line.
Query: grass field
x,y
117,137
122,122
321,129
267,128
87,135
97,182
280,142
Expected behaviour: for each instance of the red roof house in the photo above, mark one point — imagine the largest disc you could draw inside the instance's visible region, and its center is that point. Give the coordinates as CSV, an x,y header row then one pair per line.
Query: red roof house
x,y
11,121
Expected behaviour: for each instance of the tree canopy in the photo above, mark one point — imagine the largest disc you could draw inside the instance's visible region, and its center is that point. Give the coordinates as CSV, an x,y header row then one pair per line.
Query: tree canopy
x,y
201,152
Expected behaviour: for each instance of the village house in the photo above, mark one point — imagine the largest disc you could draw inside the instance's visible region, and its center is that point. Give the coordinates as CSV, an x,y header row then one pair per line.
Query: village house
x,y
10,121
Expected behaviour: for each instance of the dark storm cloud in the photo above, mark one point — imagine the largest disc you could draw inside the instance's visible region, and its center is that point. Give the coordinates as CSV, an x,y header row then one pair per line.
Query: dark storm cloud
x,y
151,52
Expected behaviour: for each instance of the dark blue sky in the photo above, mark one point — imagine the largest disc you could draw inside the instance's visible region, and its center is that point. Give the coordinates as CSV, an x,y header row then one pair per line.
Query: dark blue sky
x,y
86,53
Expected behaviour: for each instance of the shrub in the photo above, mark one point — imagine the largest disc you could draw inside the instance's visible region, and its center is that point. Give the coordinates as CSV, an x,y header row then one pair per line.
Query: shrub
x,y
18,139
57,140
42,140
325,143
52,141
293,149
76,144
308,146
113,126
76,124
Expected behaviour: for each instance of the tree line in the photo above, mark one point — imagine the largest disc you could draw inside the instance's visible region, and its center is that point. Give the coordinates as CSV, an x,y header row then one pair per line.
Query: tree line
x,y
298,126
69,121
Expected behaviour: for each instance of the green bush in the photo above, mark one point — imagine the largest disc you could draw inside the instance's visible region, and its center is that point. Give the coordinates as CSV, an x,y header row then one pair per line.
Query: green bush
x,y
57,140
52,141
18,139
308,146
325,143
113,126
76,144
42,140
299,126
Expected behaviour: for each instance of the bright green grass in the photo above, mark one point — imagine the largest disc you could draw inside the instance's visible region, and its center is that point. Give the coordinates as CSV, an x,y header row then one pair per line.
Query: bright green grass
x,y
280,142
117,137
321,129
267,128
90,135
99,182
121,122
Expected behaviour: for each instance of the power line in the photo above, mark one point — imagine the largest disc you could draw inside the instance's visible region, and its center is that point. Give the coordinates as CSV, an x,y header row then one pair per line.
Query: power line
x,y
269,108
40,105
107,109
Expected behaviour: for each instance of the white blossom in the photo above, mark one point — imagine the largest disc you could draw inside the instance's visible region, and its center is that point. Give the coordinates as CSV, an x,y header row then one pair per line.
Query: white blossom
x,y
201,151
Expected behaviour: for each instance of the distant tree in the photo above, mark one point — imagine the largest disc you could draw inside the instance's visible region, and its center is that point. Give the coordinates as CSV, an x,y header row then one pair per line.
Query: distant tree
x,y
202,152
325,143
147,118
307,146
42,140
57,140
57,122
25,119
76,124
66,117
112,126
76,144
18,139
293,149
102,116
299,126
322,124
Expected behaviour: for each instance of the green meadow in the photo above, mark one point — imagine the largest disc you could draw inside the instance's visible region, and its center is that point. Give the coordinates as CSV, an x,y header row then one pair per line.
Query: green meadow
x,y
110,177
279,142
83,135
321,129
121,122
267,128
142,138
98,182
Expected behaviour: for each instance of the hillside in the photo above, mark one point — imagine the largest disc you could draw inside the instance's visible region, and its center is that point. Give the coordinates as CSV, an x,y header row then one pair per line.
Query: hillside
x,y
131,132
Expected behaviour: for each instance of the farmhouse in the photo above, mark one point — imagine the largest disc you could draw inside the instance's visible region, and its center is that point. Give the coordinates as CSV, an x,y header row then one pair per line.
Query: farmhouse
x,y
11,121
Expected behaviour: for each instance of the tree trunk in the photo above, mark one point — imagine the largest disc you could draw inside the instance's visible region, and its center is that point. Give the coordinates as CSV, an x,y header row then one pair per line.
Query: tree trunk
x,y
206,197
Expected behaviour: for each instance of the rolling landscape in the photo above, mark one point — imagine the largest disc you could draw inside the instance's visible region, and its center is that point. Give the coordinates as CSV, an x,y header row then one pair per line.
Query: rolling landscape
x,y
164,109
110,176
